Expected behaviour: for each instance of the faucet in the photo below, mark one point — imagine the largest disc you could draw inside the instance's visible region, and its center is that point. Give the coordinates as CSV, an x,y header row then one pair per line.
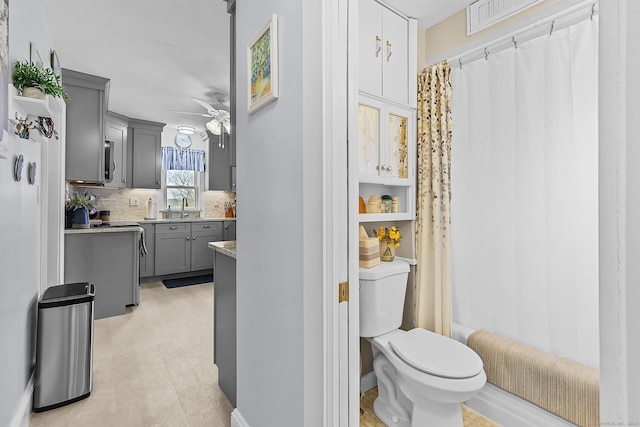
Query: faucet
x,y
184,205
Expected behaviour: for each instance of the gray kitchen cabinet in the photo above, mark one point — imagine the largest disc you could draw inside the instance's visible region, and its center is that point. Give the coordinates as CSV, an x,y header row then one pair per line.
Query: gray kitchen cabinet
x,y
145,150
229,230
85,130
201,234
116,131
148,261
173,248
224,324
182,247
110,262
221,161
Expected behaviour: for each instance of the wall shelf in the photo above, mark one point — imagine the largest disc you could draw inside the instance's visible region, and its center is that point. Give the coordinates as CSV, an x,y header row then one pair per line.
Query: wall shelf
x,y
385,217
32,107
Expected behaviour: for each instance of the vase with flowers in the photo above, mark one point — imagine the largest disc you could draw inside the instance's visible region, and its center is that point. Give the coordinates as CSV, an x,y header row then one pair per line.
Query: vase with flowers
x,y
79,205
389,239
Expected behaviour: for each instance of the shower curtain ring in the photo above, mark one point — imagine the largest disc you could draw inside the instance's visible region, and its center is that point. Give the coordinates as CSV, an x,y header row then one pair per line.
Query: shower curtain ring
x,y
486,54
460,62
552,24
515,43
593,10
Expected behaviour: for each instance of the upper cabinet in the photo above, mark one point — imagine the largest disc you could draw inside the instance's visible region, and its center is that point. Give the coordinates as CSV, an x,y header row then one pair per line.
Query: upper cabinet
x,y
145,151
222,160
85,131
116,131
387,53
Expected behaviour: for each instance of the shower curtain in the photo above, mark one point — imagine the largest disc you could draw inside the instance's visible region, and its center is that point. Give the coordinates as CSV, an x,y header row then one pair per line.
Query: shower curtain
x,y
433,285
525,193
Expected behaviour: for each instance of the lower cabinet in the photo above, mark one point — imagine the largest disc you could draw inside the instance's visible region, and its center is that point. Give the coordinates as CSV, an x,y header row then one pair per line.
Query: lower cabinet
x,y
182,247
148,261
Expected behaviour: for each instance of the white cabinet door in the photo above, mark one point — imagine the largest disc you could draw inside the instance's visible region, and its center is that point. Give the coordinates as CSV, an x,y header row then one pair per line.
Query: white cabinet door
x,y
396,56
383,52
397,165
370,47
368,141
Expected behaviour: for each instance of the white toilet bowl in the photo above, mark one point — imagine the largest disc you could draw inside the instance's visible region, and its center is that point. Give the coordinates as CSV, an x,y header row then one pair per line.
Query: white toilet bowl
x,y
422,377
429,394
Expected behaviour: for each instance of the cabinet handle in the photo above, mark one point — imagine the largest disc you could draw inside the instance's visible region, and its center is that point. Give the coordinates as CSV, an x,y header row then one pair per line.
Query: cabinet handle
x,y
173,228
205,226
388,50
158,182
378,45
193,238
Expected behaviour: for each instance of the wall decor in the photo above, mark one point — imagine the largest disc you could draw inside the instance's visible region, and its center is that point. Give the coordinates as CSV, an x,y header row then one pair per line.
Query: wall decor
x,y
4,68
17,167
34,55
262,61
22,127
55,64
31,173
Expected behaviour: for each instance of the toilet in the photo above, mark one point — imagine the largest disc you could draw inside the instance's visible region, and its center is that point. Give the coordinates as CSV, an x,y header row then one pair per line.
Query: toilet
x,y
422,377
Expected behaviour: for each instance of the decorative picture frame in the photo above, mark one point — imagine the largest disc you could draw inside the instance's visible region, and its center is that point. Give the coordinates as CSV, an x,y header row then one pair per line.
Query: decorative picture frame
x,y
34,55
262,67
55,64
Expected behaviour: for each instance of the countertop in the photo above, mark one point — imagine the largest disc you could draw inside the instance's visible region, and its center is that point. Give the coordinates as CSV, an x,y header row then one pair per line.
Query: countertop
x,y
226,247
162,220
103,230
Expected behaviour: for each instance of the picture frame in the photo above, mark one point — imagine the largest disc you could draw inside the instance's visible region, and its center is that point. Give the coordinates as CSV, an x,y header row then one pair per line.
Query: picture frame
x,y
34,55
262,67
55,64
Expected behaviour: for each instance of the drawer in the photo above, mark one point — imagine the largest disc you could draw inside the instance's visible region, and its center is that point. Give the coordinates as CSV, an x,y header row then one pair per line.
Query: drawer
x,y
210,227
176,227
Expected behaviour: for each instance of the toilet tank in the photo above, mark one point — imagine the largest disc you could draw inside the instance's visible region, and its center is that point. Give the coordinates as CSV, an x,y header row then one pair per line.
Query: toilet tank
x,y
382,291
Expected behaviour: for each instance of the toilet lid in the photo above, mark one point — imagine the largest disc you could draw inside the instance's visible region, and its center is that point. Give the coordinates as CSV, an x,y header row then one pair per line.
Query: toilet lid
x,y
436,355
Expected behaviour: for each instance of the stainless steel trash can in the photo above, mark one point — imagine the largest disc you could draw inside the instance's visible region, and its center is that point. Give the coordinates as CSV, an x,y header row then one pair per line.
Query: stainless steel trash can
x,y
64,349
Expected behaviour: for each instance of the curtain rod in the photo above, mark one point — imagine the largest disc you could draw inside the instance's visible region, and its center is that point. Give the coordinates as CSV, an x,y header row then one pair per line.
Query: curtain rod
x,y
560,20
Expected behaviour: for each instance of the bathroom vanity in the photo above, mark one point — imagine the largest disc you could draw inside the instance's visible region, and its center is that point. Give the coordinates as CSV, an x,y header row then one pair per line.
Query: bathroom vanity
x,y
224,318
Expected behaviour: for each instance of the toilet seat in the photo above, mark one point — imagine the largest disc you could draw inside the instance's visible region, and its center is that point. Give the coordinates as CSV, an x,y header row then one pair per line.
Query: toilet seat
x,y
435,354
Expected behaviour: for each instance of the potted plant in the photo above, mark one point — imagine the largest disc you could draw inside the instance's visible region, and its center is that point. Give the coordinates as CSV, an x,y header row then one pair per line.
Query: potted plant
x,y
33,81
79,206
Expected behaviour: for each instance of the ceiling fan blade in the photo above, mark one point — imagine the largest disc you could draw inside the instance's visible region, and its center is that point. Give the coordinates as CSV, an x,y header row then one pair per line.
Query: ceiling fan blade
x,y
189,112
212,111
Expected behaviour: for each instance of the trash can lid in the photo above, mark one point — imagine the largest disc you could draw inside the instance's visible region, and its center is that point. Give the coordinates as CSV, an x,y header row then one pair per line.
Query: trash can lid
x,y
67,294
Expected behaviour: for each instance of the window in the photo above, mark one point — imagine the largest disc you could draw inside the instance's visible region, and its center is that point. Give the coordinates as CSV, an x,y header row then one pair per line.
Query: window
x,y
181,184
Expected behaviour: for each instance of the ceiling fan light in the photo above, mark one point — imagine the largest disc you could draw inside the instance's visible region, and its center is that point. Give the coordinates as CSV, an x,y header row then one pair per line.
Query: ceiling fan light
x,y
188,130
214,127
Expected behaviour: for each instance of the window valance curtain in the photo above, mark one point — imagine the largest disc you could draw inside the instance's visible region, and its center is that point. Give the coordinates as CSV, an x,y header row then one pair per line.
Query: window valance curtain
x,y
174,158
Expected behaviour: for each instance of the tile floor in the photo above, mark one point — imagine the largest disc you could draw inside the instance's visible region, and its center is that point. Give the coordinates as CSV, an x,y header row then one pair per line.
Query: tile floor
x,y
369,419
153,366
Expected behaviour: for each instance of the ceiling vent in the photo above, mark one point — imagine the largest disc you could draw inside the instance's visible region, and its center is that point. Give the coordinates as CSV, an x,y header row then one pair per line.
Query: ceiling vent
x,y
484,13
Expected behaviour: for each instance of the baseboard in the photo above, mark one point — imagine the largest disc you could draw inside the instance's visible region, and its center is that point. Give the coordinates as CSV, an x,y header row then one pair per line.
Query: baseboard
x,y
237,420
368,381
22,417
509,410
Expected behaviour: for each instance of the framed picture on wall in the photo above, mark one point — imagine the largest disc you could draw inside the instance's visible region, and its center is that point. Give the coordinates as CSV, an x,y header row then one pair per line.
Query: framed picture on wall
x,y
55,64
262,62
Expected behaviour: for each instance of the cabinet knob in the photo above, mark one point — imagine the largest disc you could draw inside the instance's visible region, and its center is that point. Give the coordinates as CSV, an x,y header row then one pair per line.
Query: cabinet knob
x,y
193,238
158,182
173,228
388,50
389,168
378,45
205,226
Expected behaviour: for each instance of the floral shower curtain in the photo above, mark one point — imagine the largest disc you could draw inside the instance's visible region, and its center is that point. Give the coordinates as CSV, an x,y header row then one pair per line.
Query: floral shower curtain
x,y
433,285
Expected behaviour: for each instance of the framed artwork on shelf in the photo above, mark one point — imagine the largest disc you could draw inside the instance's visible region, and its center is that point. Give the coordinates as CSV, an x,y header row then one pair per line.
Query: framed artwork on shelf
x,y
262,61
34,55
55,64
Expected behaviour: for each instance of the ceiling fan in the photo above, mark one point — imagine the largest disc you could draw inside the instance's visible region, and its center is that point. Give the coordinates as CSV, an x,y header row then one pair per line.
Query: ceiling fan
x,y
220,119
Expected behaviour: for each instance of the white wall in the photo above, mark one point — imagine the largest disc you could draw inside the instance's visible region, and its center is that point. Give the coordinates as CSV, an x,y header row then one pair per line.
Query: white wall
x,y
619,203
20,232
279,230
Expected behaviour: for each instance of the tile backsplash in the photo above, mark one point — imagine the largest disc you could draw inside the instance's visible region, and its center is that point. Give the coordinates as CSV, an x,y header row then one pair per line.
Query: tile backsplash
x,y
117,201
